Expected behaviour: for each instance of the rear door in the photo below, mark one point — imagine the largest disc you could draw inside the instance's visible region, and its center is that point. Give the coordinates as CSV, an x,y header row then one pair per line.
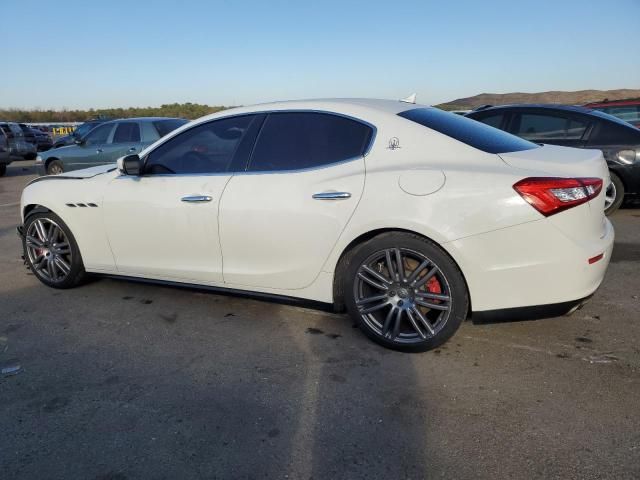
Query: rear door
x,y
280,220
550,127
126,140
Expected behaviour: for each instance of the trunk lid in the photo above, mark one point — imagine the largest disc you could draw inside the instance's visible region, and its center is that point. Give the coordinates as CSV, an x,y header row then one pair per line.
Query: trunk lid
x,y
585,222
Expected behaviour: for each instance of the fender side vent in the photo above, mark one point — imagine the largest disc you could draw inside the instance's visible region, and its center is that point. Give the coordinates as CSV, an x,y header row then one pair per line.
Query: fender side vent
x,y
80,205
92,205
70,204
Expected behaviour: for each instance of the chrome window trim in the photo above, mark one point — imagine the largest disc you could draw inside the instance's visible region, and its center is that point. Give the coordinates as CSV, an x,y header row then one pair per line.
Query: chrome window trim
x,y
366,152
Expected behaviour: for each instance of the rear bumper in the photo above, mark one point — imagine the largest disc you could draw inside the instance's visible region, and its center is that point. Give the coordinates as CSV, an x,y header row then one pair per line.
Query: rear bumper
x,y
530,265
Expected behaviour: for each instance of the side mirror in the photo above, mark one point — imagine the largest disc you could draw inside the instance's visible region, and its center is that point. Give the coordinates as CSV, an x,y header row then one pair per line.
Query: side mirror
x,y
130,165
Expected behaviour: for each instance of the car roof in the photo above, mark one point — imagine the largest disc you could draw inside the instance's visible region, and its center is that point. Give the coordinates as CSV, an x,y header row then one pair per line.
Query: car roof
x,y
550,106
142,119
321,104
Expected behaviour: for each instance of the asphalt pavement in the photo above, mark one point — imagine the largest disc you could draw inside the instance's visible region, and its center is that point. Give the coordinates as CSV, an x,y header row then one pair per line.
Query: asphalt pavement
x,y
121,380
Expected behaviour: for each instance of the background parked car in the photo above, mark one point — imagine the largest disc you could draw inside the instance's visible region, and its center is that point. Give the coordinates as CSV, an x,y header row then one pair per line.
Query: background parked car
x,y
106,143
576,127
18,145
79,132
627,110
40,139
5,156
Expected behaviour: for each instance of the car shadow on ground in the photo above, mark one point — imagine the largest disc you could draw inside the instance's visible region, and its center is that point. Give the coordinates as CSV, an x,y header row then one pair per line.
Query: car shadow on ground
x,y
155,386
21,168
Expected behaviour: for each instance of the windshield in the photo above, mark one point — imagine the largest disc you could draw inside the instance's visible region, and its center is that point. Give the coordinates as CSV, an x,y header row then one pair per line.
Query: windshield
x,y
83,129
468,131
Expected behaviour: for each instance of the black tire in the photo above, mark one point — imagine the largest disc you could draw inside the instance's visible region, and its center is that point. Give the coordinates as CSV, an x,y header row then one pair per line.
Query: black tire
x,y
76,274
3,170
616,184
55,167
449,279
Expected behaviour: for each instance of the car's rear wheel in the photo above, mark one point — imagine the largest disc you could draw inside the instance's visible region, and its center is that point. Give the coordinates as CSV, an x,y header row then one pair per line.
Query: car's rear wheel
x,y
613,195
51,251
55,168
405,292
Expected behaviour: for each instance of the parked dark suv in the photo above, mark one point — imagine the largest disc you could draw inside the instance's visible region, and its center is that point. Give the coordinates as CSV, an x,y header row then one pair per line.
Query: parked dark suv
x,y
5,154
40,139
576,127
18,144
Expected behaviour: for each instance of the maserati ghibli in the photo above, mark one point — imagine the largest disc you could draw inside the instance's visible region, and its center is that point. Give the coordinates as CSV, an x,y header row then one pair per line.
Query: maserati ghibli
x,y
410,218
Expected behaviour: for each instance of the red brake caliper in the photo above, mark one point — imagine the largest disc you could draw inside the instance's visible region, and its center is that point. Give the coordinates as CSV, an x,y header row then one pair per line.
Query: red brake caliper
x,y
433,286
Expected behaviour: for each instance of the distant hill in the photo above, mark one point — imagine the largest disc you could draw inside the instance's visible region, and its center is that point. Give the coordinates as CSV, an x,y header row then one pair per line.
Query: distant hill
x,y
568,98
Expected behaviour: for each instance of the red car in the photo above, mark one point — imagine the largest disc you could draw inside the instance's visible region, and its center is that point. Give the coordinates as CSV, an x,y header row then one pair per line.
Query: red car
x,y
627,110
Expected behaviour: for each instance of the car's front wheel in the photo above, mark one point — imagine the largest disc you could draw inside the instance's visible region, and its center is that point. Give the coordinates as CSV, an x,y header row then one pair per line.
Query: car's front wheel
x,y
55,167
51,251
405,292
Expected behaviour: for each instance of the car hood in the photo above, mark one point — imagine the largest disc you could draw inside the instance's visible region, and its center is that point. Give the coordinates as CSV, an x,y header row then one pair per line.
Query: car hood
x,y
78,174
89,172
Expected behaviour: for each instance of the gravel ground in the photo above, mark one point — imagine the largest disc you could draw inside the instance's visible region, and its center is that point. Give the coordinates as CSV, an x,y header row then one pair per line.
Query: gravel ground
x,y
121,380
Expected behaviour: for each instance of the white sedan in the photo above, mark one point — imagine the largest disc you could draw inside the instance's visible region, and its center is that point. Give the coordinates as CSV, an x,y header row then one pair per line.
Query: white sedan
x,y
409,217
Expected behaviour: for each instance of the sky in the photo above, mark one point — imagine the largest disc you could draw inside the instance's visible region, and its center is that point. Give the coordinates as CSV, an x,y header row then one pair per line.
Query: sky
x,y
120,53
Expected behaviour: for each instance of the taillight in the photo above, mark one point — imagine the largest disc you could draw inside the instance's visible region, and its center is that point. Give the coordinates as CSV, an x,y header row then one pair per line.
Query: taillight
x,y
550,195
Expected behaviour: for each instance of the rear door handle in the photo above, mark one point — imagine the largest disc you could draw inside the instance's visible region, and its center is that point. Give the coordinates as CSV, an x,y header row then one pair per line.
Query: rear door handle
x,y
196,198
331,196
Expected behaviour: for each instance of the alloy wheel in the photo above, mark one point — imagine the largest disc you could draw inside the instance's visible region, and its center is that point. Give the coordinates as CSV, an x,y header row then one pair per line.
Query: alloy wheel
x,y
402,295
609,195
48,250
55,169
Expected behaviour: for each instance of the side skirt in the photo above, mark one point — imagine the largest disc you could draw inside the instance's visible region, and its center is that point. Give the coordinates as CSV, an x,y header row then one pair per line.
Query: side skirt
x,y
281,299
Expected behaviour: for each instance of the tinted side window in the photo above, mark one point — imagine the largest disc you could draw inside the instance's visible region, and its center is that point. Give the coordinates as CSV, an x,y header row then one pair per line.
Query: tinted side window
x,y
468,131
534,126
609,133
298,140
99,135
206,148
127,132
492,120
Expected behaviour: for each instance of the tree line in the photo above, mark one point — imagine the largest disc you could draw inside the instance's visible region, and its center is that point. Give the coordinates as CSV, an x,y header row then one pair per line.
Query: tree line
x,y
181,110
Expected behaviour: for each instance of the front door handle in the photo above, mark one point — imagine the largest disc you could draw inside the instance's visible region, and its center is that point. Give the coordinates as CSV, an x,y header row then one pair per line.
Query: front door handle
x,y
132,149
196,198
331,196
99,150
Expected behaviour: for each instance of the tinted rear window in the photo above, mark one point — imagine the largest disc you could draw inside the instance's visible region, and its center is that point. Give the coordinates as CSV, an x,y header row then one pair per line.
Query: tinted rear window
x,y
466,130
299,140
609,133
166,126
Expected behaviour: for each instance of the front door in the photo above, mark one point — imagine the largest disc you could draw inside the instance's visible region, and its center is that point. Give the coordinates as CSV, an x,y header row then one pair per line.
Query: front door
x,y
280,220
164,224
91,151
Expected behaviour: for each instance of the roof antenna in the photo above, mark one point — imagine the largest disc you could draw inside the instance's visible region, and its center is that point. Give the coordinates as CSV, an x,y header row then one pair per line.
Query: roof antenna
x,y
410,99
